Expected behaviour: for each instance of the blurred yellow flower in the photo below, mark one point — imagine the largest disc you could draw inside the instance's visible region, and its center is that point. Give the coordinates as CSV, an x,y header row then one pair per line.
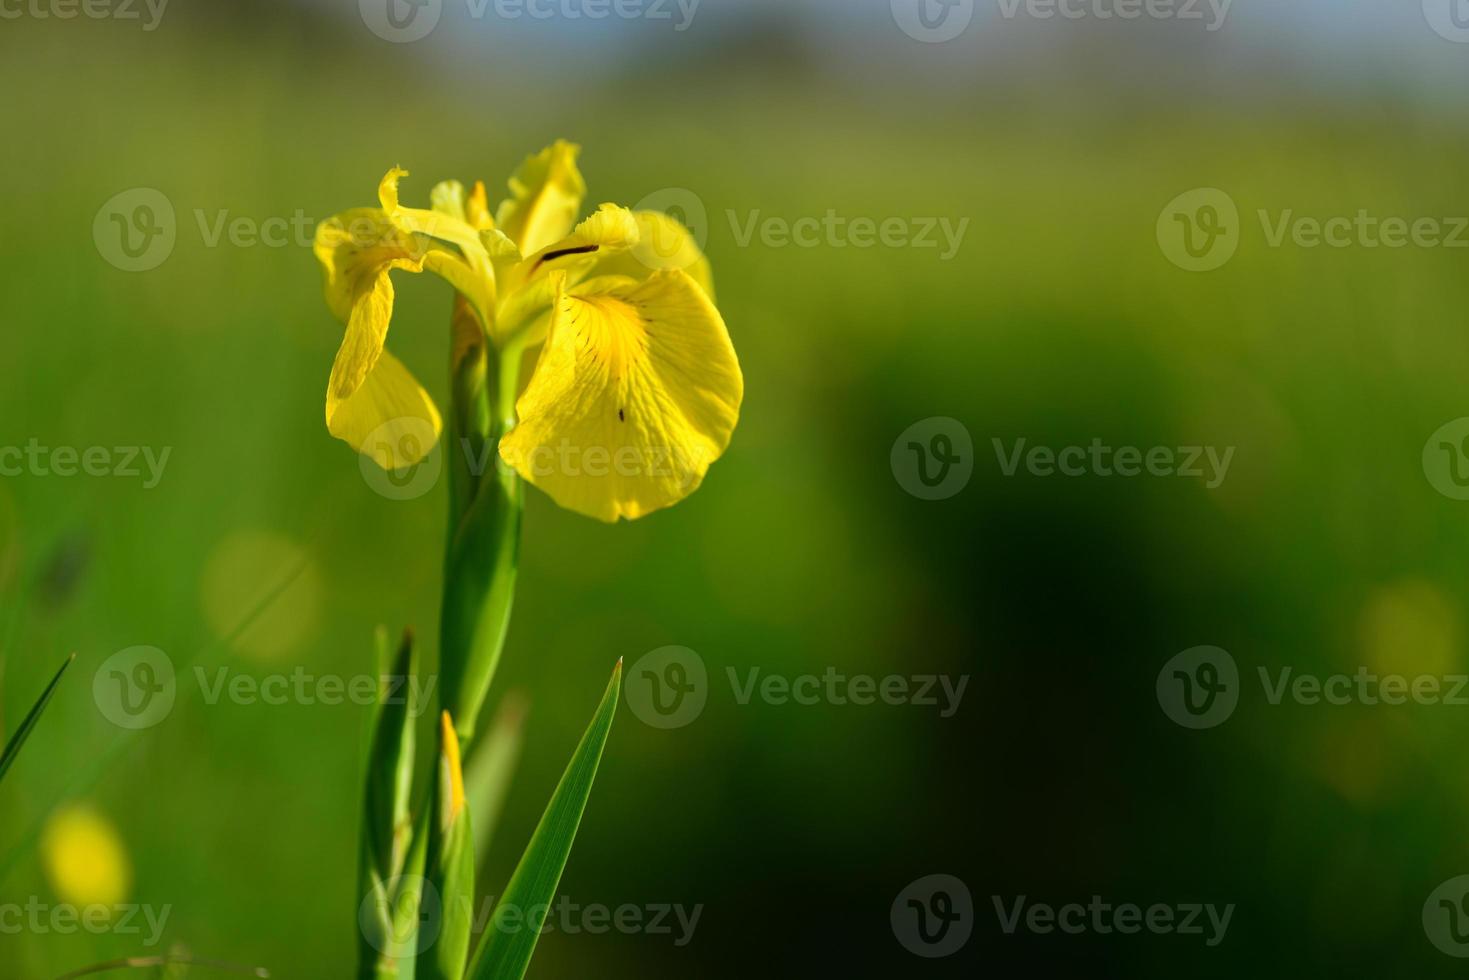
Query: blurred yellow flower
x,y
637,389
84,858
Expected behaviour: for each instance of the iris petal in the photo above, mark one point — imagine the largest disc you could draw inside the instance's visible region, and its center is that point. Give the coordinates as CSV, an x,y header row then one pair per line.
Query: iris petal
x,y
637,392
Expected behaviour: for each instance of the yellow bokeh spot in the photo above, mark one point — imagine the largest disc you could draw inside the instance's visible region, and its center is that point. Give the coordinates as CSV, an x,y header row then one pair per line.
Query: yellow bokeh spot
x,y
1410,628
85,859
244,570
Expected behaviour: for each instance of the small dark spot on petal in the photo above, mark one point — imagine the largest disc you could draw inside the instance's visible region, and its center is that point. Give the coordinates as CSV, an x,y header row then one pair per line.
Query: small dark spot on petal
x,y
621,417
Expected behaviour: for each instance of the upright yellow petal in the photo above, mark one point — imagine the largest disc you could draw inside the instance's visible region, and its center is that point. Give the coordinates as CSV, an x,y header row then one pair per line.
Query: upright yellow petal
x,y
477,208
387,189
546,194
608,229
447,197
528,286
637,391
663,243
466,265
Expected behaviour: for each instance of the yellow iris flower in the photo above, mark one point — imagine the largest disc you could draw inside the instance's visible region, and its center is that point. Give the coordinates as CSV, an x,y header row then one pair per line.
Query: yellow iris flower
x,y
636,389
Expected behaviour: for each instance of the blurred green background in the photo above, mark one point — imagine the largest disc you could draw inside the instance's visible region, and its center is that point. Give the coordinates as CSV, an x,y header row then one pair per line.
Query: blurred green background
x,y
1060,320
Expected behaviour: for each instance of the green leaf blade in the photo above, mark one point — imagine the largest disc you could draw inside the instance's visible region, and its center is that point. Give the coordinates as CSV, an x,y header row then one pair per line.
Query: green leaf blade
x,y
505,951
28,724
387,828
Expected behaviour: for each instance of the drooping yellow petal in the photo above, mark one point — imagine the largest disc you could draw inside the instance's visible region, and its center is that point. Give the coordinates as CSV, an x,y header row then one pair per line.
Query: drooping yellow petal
x,y
368,387
362,344
354,248
389,418
663,243
637,391
546,194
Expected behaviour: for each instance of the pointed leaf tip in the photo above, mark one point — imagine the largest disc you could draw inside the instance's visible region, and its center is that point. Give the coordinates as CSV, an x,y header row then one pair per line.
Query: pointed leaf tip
x,y
28,724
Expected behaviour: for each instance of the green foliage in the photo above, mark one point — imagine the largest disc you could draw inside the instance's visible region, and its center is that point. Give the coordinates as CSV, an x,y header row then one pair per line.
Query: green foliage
x,y
505,949
28,723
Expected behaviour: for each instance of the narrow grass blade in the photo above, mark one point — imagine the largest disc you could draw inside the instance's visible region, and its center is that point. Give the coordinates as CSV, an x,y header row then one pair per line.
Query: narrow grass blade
x,y
12,747
510,940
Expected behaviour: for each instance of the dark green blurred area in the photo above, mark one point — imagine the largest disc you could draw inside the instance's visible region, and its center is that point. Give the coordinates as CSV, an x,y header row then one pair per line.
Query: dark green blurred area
x,y
1060,321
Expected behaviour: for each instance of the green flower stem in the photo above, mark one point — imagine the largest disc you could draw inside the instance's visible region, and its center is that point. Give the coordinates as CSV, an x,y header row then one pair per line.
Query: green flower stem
x,y
486,502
